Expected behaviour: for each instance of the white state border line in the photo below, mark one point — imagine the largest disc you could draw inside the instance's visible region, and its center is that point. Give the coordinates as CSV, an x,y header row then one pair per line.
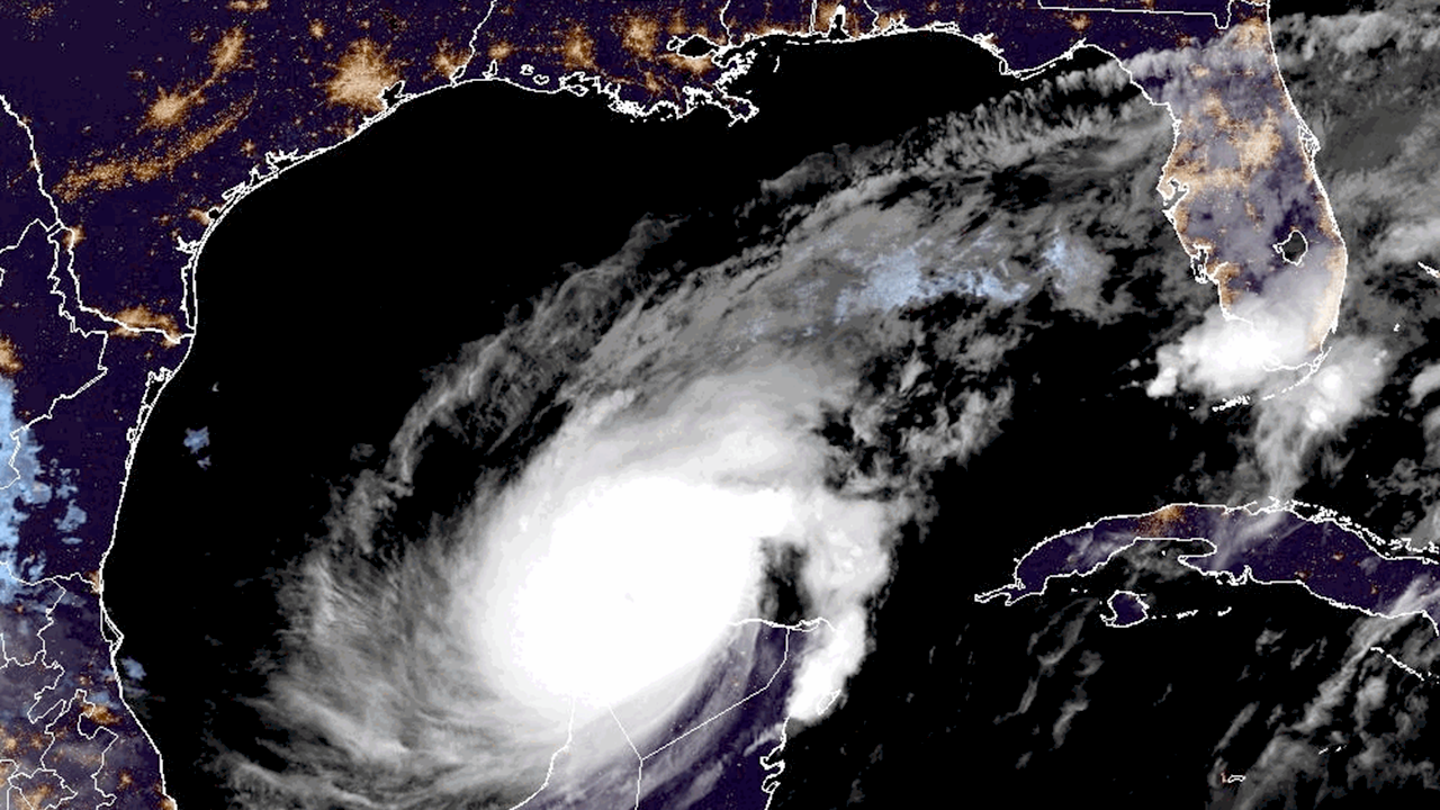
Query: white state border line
x,y
695,97
1155,12
803,626
581,83
1309,147
132,435
81,695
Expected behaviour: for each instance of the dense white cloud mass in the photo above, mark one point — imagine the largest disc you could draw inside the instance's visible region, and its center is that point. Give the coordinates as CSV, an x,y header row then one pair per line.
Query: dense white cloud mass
x,y
1231,355
1291,422
689,482
625,532
678,486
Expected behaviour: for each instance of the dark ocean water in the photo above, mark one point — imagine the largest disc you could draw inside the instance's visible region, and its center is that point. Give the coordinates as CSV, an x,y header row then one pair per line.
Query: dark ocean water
x,y
325,296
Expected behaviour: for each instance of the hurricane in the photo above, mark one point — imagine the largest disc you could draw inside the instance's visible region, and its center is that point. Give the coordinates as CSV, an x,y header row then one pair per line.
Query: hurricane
x,y
626,547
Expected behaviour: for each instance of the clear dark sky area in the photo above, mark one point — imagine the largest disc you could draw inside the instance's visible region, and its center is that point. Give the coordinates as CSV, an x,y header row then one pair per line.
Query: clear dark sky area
x,y
326,294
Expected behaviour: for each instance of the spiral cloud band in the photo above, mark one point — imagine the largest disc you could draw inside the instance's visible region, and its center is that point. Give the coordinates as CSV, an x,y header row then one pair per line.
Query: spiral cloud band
x,y
627,556
615,597
625,546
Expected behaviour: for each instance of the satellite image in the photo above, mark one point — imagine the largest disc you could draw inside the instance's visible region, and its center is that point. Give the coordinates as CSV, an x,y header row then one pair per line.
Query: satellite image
x,y
734,405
